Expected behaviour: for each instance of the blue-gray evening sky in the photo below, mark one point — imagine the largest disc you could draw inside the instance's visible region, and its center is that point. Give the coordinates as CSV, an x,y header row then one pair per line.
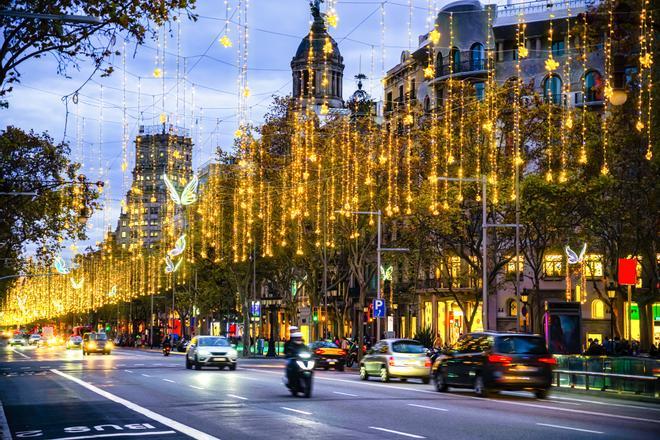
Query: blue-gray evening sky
x,y
275,30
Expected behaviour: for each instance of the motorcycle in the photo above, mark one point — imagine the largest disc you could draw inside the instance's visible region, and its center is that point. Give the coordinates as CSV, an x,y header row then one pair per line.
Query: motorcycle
x,y
182,346
166,350
299,377
352,354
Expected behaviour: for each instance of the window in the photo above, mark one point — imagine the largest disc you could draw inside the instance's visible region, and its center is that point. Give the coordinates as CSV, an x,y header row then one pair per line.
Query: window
x,y
511,266
631,75
455,56
401,93
553,266
593,265
512,307
427,104
477,56
558,48
413,92
438,65
479,91
593,86
123,234
597,309
552,89
388,102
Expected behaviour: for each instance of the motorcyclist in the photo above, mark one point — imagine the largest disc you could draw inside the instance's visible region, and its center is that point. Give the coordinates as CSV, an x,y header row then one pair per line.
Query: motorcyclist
x,y
292,348
167,342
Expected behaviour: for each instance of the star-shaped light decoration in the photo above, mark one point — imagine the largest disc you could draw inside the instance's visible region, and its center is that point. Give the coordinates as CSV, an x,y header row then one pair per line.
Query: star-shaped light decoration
x,y
551,64
408,119
238,133
332,18
246,92
645,60
324,109
639,126
225,41
158,72
162,118
429,72
434,36
523,52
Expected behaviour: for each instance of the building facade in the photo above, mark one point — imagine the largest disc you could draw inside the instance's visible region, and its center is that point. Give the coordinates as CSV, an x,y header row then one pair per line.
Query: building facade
x,y
418,84
159,150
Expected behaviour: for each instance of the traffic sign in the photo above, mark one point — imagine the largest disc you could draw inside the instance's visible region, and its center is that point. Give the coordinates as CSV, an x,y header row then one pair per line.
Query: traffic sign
x,y
379,308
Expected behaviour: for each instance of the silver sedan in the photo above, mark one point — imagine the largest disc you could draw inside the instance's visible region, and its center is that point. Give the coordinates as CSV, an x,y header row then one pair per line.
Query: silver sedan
x,y
401,358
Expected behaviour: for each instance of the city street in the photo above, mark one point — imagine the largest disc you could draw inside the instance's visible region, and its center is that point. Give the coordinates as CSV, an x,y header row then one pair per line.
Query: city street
x,y
52,393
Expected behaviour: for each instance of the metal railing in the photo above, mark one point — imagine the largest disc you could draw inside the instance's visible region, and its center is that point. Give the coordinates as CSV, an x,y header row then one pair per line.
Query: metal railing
x,y
623,374
542,6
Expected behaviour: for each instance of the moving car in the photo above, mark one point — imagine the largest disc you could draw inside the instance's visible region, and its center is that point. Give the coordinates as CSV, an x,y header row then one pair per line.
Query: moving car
x,y
96,343
402,358
73,342
210,351
328,355
493,361
34,339
18,340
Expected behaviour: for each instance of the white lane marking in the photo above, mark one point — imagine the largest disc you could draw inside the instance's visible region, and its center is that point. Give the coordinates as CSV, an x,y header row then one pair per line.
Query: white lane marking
x,y
138,365
192,432
296,410
565,403
119,434
128,371
345,394
22,354
195,387
508,402
391,431
427,407
146,375
570,428
605,403
237,397
25,368
167,380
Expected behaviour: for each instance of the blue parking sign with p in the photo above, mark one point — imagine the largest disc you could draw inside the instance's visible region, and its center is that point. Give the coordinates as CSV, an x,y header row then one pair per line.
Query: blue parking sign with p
x,y
379,308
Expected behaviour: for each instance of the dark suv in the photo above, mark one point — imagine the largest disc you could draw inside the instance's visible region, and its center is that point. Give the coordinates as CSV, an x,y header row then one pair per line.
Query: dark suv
x,y
493,361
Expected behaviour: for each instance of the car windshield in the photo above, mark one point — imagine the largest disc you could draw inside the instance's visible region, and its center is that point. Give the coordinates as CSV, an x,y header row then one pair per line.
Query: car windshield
x,y
213,342
408,347
98,337
76,338
325,344
521,345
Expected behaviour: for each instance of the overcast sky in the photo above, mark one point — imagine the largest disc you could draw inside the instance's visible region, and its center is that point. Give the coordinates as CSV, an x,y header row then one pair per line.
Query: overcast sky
x,y
275,30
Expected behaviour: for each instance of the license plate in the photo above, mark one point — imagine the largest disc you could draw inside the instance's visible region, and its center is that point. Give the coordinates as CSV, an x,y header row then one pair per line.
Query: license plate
x,y
524,369
219,359
331,362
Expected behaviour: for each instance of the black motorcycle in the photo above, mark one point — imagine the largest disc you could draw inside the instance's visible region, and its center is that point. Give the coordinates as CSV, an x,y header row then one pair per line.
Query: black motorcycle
x,y
166,350
300,372
182,345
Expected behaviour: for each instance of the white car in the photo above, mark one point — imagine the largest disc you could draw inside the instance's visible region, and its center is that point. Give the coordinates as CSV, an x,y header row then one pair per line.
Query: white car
x,y
34,339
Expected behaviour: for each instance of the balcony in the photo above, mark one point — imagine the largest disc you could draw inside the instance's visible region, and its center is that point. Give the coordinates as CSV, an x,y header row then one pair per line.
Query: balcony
x,y
466,67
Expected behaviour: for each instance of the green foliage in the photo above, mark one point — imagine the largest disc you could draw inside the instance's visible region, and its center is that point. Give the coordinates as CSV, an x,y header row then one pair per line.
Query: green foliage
x,y
30,162
27,38
425,337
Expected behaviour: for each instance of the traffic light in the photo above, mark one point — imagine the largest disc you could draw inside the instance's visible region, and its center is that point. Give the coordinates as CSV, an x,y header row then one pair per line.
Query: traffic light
x,y
371,312
108,328
315,314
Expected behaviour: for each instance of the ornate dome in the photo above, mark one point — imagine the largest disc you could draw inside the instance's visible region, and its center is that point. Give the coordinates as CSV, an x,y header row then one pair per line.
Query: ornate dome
x,y
320,32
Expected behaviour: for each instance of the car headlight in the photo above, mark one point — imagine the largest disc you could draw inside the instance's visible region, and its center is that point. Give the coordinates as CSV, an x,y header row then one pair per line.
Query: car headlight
x,y
203,352
91,345
232,353
108,344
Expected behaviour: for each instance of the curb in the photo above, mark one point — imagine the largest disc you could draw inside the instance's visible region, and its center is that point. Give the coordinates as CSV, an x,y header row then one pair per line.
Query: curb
x,y
5,433
604,394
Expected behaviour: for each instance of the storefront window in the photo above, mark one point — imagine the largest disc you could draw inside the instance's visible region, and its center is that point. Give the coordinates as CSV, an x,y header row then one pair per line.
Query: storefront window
x,y
597,309
442,321
427,316
511,266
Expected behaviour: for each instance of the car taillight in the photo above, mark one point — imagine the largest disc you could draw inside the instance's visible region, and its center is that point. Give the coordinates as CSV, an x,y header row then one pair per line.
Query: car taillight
x,y
427,363
342,352
391,361
318,351
499,359
548,360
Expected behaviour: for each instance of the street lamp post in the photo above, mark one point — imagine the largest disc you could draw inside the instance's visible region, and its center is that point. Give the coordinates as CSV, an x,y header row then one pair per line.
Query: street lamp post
x,y
524,296
611,294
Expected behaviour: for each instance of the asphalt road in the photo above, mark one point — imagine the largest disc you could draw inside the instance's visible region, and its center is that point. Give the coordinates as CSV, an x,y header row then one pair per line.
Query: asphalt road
x,y
49,393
